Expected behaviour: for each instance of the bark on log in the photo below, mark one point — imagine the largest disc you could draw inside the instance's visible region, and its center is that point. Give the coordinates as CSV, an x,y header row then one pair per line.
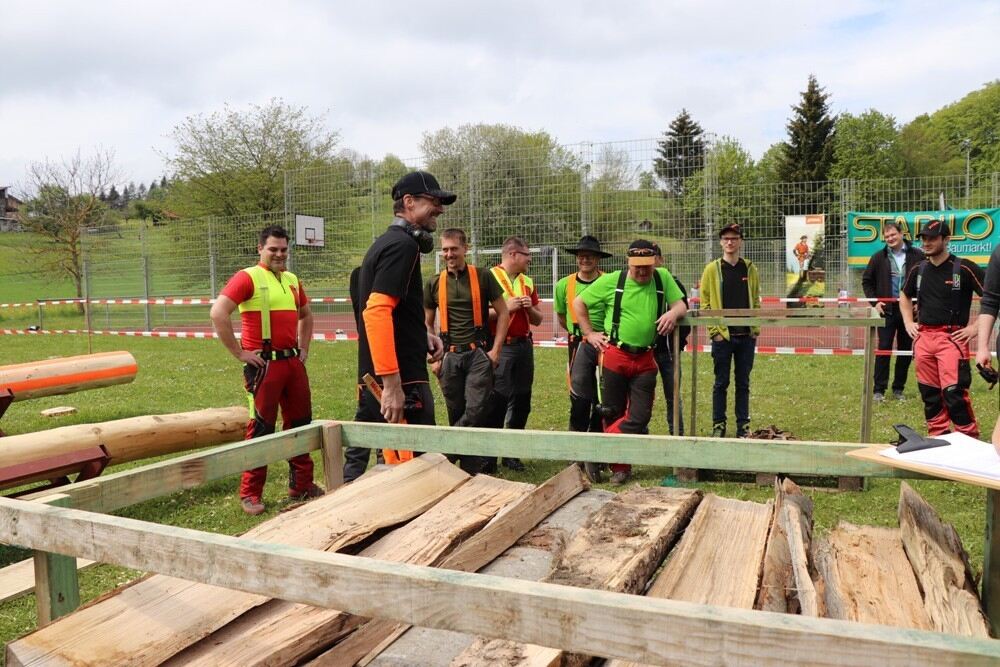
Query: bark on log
x,y
66,375
942,568
786,584
131,439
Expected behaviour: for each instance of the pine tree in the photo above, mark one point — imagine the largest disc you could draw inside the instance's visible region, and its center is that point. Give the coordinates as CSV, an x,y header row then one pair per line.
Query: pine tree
x,y
141,192
808,153
682,153
163,181
114,198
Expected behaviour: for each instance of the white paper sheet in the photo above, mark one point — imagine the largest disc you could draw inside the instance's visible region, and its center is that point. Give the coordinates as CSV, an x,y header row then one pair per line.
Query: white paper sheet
x,y
964,454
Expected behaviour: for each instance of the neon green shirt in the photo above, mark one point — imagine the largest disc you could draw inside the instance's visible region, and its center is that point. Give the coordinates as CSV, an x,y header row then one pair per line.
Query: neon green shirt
x,y
562,307
637,326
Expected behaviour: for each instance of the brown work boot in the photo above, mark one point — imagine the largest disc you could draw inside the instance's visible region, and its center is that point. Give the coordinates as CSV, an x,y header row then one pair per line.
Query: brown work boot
x,y
314,491
252,506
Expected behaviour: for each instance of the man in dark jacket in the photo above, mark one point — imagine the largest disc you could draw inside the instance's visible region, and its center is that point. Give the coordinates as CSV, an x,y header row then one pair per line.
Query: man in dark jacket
x,y
882,280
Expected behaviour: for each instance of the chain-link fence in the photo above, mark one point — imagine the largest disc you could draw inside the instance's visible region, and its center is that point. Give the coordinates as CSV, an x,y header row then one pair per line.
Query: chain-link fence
x,y
678,194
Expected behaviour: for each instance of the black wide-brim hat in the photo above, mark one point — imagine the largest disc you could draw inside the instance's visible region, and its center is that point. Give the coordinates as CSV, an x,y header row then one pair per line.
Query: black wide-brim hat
x,y
588,243
422,183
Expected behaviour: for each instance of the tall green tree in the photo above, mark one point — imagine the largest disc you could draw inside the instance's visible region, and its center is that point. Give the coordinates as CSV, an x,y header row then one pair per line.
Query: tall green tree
x,y
681,153
809,150
866,147
66,206
233,162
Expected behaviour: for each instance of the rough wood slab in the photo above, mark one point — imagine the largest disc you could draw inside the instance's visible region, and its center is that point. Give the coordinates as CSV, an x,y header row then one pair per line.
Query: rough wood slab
x,y
500,534
18,578
942,568
867,577
60,411
152,620
618,550
719,558
786,582
531,559
284,633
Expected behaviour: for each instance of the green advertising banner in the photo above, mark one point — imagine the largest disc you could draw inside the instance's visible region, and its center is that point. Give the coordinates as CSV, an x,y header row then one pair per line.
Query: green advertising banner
x,y
974,232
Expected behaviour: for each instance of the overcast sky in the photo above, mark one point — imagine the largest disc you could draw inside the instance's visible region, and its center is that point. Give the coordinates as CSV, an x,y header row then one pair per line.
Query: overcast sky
x,y
120,75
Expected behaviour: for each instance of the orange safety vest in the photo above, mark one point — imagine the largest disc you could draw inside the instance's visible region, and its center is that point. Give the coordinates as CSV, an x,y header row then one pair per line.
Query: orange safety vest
x,y
477,301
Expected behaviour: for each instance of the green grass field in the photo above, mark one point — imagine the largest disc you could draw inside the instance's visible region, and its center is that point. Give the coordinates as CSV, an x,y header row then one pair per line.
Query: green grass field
x,y
817,398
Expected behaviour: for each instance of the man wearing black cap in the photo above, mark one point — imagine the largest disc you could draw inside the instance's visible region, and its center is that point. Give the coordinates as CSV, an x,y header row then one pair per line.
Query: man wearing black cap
x,y
635,306
581,368
393,341
942,285
727,283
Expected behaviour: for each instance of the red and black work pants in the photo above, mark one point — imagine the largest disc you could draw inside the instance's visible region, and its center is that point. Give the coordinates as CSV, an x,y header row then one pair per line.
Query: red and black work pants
x,y
285,385
944,377
628,385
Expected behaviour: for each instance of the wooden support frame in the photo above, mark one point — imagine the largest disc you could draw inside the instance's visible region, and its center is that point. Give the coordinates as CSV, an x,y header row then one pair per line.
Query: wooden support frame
x,y
646,630
57,589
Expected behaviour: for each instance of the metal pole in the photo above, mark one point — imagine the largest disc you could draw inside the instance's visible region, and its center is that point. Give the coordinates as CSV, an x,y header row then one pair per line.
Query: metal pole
x,y
145,276
41,320
211,260
86,306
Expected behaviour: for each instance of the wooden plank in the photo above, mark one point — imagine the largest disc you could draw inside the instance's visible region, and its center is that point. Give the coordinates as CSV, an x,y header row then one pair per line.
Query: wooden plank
x,y
786,586
18,578
991,561
617,550
128,487
585,621
703,568
787,456
919,470
866,386
941,566
161,615
867,577
57,591
60,411
333,457
473,554
284,633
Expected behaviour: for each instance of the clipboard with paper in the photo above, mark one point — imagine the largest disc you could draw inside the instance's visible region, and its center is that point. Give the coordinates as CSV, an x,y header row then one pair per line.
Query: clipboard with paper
x,y
963,459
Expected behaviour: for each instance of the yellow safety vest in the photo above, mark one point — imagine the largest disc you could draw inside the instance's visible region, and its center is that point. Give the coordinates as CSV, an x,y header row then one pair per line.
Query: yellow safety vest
x,y
269,294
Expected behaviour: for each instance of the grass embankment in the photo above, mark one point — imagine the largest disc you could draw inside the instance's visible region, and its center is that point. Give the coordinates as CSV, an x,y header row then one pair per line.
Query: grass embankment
x,y
816,398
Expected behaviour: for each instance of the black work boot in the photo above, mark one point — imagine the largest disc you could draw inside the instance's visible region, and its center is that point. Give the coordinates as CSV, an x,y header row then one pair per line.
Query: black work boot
x,y
719,430
743,430
513,464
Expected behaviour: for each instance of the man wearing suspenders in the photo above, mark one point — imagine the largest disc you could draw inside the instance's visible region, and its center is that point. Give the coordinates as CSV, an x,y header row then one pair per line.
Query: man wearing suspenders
x,y
635,311
943,285
277,327
461,296
581,368
515,372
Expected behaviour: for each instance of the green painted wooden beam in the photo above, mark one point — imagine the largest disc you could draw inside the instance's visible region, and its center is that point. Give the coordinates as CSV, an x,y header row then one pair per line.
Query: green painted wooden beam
x,y
56,585
128,487
629,627
777,456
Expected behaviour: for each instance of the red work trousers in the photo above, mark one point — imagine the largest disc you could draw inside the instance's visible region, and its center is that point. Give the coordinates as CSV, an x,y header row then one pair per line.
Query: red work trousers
x,y
944,377
628,385
285,385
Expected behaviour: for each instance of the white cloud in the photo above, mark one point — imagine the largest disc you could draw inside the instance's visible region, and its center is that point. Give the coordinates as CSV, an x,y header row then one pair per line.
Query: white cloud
x,y
121,75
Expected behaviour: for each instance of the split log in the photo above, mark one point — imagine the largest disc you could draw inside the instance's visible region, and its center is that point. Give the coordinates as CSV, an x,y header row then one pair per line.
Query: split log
x,y
942,568
131,439
151,620
867,577
476,552
66,375
284,633
719,558
786,583
618,550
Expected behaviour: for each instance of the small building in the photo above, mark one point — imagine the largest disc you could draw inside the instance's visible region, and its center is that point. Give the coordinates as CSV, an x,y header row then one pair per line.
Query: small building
x,y
10,217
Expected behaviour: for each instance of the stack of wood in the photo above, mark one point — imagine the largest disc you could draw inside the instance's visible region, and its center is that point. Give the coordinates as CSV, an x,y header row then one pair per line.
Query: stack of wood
x,y
661,542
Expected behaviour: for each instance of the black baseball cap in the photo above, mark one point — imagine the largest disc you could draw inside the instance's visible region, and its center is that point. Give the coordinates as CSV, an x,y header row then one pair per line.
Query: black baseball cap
x,y
733,227
422,183
588,243
641,253
934,228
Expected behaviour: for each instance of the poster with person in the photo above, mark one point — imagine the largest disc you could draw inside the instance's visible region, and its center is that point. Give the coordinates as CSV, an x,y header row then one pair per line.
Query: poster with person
x,y
804,267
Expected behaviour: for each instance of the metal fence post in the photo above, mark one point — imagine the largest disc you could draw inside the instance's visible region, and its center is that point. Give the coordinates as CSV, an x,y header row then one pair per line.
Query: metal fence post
x,y
211,260
147,310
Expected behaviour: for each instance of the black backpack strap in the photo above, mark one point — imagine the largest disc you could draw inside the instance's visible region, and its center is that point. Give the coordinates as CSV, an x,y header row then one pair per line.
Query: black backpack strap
x,y
616,312
956,289
660,297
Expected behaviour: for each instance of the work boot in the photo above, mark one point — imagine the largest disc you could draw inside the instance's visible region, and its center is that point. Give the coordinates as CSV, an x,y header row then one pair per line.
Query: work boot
x,y
513,464
489,466
878,397
313,491
620,477
593,471
898,395
719,430
743,430
252,506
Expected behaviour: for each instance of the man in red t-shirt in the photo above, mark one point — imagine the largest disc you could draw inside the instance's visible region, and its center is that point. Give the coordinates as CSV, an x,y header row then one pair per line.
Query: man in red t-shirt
x,y
276,326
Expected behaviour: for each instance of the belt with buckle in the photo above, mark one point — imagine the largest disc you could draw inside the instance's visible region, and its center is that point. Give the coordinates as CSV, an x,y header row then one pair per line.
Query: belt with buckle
x,y
278,355
515,340
632,349
466,347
